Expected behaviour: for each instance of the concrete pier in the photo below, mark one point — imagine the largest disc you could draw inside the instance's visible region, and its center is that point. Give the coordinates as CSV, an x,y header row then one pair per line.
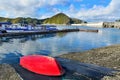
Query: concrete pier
x,y
44,32
100,24
91,24
111,25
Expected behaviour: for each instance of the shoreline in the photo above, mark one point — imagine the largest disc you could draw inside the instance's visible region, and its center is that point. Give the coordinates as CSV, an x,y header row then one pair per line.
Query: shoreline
x,y
106,56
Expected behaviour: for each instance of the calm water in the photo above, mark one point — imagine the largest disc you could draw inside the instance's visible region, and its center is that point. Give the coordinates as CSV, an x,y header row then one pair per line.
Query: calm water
x,y
12,48
56,44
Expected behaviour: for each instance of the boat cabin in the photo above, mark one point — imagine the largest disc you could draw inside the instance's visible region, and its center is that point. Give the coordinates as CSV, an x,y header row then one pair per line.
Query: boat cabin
x,y
49,27
3,25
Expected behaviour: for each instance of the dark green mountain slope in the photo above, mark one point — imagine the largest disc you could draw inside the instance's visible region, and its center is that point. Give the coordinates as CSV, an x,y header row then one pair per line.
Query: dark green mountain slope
x,y
61,18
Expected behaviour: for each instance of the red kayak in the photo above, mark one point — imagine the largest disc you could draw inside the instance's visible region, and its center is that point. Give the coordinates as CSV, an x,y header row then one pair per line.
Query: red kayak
x,y
42,65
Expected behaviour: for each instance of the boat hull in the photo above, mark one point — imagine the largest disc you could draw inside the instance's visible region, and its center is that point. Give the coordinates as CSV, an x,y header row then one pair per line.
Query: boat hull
x,y
42,65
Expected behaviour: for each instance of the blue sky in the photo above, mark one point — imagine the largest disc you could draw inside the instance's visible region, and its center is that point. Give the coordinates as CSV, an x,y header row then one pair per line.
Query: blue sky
x,y
89,10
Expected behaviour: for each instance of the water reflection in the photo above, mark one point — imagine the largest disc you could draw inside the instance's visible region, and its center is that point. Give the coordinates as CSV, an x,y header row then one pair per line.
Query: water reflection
x,y
23,38
62,34
11,58
59,43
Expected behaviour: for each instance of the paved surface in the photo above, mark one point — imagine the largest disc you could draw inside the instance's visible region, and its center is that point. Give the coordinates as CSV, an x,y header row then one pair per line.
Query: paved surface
x,y
74,71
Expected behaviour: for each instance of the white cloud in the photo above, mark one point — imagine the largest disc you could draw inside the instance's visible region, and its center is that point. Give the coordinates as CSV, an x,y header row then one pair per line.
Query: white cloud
x,y
72,8
25,8
46,15
56,10
29,8
97,12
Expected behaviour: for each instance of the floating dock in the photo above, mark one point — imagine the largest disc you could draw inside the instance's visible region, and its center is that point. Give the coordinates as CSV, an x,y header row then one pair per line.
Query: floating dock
x,y
44,32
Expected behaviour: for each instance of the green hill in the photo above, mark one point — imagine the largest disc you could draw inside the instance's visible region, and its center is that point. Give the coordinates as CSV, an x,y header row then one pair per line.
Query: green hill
x,y
22,20
58,19
77,21
61,18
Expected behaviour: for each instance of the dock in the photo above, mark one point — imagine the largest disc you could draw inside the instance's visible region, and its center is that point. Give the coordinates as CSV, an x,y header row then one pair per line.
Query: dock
x,y
44,32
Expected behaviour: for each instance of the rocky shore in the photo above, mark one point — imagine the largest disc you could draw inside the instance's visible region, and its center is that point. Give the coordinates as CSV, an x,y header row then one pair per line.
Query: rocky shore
x,y
106,57
7,72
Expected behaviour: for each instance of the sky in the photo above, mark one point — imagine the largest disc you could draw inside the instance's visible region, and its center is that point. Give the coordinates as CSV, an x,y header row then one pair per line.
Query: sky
x,y
88,10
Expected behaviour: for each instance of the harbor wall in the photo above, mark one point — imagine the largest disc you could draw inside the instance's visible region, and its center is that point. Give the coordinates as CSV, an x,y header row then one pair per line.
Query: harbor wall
x,y
44,32
101,24
111,25
91,24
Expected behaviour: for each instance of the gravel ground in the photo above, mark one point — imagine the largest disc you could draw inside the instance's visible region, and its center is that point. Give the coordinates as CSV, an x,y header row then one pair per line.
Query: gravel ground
x,y
8,73
106,57
115,77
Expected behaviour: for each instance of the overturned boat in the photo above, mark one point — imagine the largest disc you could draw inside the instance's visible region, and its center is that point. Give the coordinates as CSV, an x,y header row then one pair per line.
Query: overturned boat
x,y
42,65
